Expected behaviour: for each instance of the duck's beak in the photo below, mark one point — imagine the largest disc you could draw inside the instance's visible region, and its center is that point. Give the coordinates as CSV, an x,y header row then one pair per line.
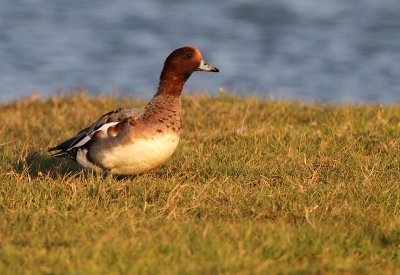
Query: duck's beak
x,y
206,67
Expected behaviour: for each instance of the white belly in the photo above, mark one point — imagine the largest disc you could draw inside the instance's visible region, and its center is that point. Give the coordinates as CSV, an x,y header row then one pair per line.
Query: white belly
x,y
81,158
141,156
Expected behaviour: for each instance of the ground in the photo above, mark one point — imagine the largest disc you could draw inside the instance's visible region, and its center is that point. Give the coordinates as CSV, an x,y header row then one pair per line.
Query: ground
x,y
256,186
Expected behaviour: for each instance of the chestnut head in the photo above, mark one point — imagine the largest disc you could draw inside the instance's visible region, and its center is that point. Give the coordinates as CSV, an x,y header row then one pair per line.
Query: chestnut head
x,y
182,62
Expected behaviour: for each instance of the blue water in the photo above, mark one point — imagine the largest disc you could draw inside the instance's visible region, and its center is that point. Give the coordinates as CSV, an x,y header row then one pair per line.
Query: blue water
x,y
304,49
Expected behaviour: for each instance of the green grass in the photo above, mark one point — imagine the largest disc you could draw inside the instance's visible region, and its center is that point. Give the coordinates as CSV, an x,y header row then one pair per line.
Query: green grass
x,y
256,186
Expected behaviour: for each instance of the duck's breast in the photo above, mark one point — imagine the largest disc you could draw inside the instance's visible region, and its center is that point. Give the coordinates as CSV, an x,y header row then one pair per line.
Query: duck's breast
x,y
140,155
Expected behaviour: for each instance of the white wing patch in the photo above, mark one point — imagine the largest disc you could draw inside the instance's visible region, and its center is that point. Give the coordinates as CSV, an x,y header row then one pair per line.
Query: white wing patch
x,y
82,142
103,128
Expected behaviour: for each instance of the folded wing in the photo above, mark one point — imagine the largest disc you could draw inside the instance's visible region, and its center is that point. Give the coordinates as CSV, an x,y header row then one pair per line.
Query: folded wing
x,y
68,147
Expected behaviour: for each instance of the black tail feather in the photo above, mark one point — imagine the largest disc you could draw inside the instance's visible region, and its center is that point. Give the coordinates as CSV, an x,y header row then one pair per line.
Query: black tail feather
x,y
58,154
61,152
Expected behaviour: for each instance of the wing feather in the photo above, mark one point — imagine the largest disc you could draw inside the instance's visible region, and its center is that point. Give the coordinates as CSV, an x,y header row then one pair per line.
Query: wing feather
x,y
68,147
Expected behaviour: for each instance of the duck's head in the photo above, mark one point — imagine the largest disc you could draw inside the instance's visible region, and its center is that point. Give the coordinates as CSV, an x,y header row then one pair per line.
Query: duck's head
x,y
182,62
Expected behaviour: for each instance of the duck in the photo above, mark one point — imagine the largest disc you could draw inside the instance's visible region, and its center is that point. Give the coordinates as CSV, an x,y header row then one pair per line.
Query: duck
x,y
131,141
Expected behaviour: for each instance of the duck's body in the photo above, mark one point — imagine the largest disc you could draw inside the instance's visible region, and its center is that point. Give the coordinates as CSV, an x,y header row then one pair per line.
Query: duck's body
x,y
134,141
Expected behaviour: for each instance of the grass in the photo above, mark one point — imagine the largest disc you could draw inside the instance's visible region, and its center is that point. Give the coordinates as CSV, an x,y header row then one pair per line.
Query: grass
x,y
256,186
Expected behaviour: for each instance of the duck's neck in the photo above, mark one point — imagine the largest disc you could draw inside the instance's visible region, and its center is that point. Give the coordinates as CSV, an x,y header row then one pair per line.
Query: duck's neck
x,y
169,92
161,102
171,84
165,106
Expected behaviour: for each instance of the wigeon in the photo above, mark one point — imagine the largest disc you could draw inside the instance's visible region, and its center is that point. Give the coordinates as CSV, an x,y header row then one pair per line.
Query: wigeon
x,y
132,141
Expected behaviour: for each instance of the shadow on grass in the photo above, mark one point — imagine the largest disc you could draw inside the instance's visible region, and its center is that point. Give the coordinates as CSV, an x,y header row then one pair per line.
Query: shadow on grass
x,y
38,164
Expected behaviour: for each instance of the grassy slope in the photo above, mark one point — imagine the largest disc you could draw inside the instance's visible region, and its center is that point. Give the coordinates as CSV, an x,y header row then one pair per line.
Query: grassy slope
x,y
303,188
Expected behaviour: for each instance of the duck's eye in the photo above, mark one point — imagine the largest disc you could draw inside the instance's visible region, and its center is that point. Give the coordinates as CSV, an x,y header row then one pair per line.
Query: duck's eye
x,y
189,55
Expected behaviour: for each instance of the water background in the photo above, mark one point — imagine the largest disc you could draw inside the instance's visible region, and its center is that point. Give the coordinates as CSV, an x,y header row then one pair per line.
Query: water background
x,y
302,49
